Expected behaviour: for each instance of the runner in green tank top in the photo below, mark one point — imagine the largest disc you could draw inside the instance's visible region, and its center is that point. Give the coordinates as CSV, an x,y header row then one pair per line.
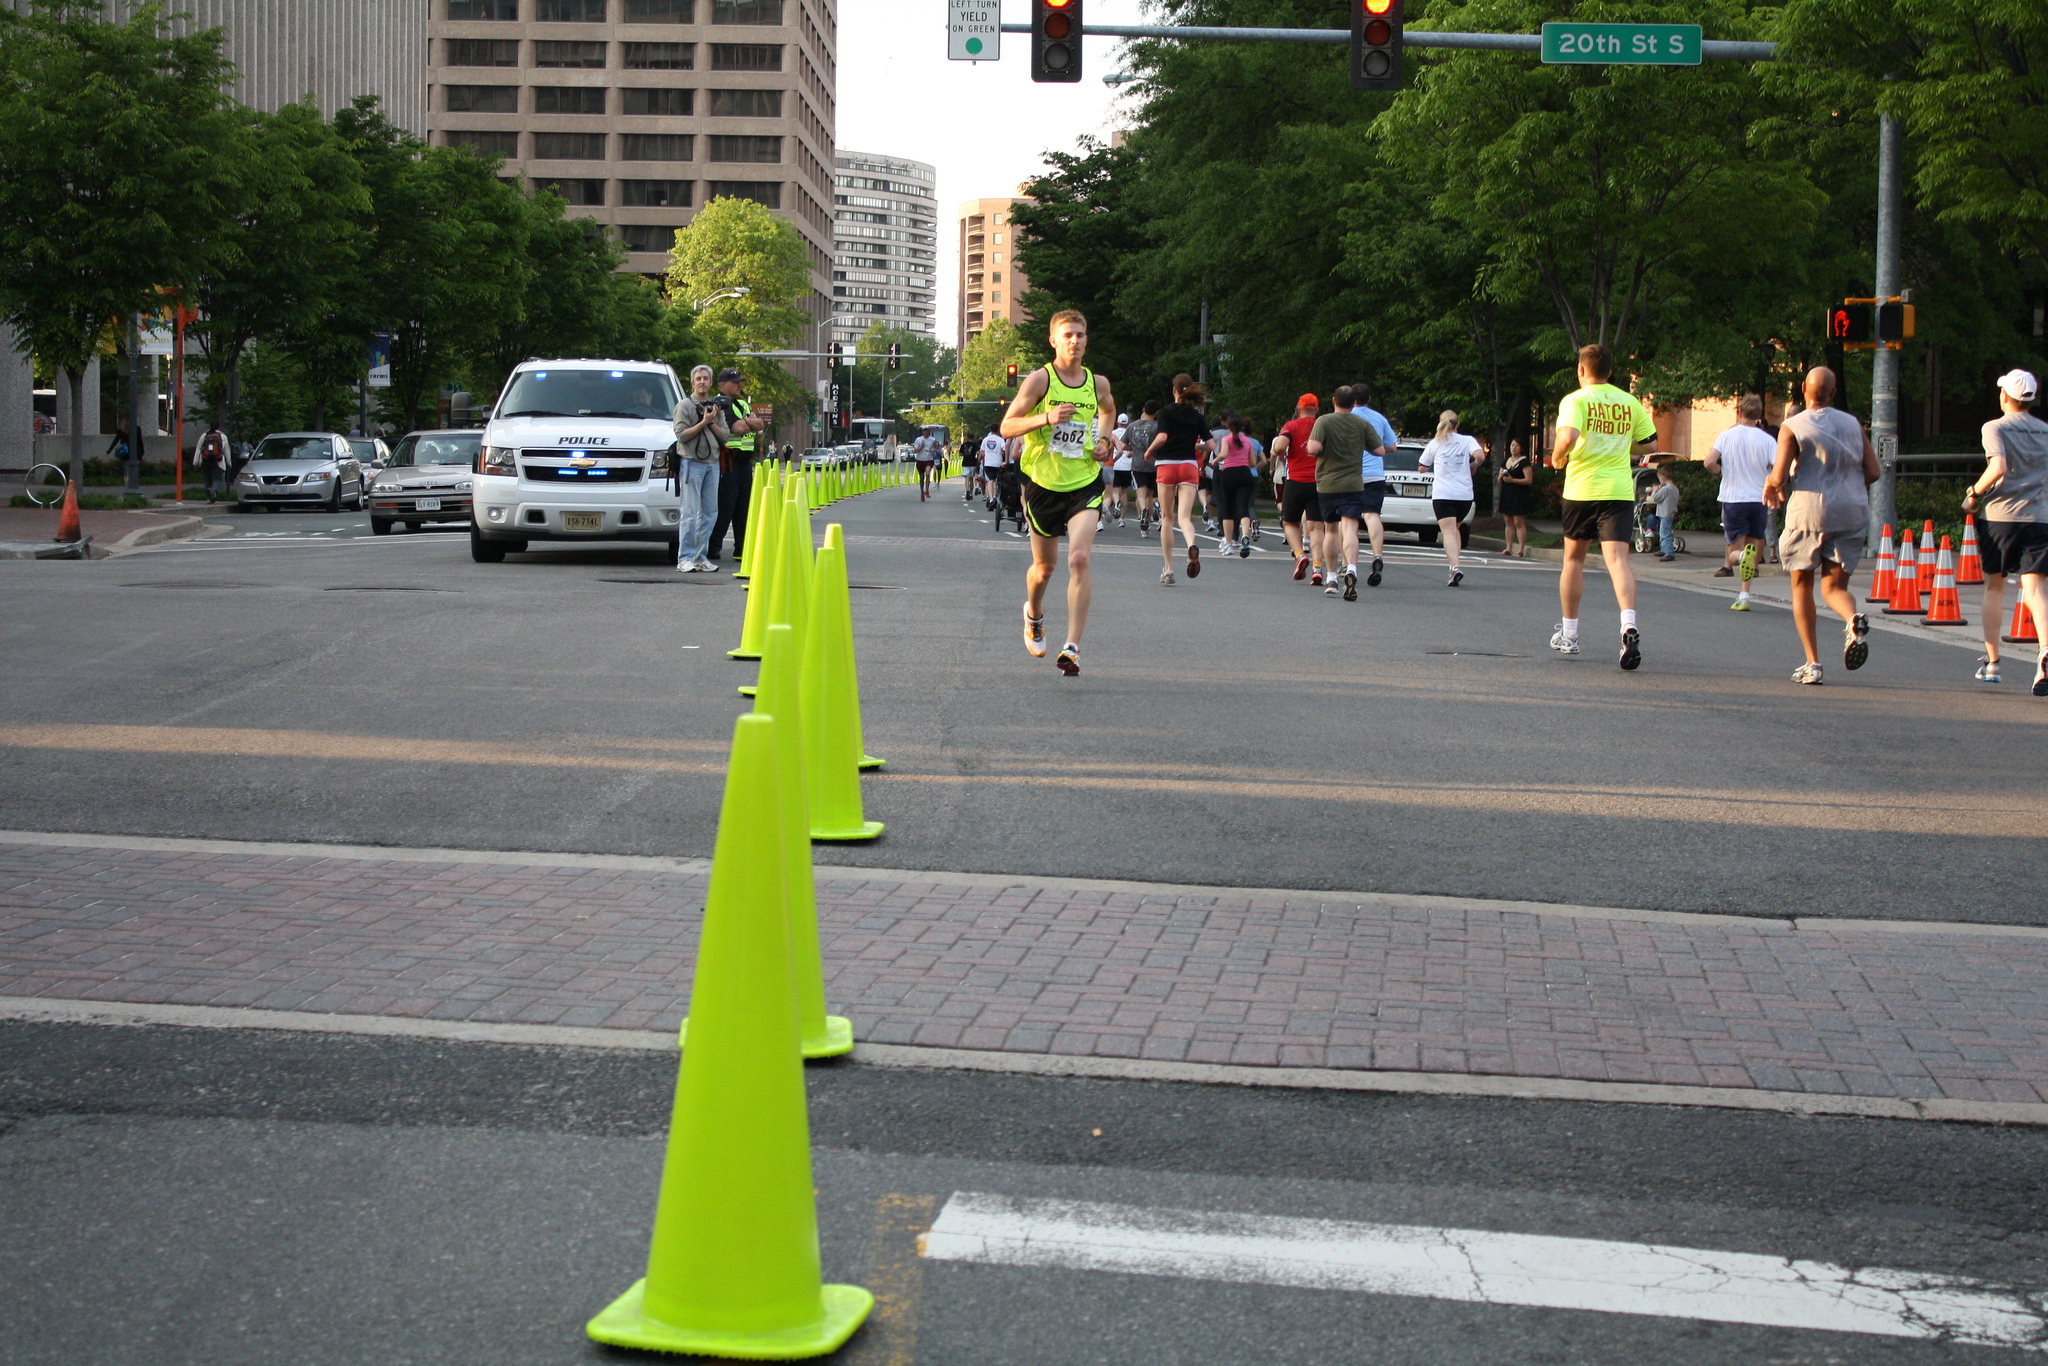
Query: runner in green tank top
x,y
1058,411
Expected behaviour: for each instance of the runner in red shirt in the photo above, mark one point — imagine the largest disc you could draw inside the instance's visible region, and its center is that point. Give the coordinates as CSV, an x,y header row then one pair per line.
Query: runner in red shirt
x,y
1298,493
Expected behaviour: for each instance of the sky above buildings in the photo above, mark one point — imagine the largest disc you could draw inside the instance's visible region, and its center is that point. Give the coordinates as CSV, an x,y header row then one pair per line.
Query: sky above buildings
x,y
984,125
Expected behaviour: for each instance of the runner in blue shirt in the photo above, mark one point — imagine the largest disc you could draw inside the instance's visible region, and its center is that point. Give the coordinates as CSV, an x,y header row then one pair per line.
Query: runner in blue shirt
x,y
1373,468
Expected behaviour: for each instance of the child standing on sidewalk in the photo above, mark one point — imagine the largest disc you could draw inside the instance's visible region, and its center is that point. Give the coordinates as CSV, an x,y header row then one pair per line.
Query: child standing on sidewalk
x,y
1665,499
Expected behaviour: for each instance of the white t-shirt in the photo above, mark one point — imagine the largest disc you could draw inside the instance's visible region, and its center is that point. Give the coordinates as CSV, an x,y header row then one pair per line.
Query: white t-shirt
x,y
1123,452
991,450
1747,454
1451,457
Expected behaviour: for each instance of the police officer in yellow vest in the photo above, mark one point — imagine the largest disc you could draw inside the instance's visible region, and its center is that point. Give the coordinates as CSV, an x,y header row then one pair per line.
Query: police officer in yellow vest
x,y
736,461
1059,412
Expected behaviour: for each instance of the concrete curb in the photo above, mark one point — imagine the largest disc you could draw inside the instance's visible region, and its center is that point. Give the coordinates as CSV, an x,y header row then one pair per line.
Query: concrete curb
x,y
143,537
1481,1086
47,550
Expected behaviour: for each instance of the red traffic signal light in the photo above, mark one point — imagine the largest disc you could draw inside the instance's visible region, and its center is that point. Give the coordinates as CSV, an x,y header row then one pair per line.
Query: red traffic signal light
x,y
1849,324
1013,376
1376,44
1056,40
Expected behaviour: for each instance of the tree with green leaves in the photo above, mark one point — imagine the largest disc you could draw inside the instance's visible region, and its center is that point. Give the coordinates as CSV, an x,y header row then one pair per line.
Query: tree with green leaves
x,y
116,172
289,252
982,385
927,368
735,244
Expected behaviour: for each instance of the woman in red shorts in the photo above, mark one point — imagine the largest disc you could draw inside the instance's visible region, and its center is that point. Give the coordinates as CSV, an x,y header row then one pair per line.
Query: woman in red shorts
x,y
1177,453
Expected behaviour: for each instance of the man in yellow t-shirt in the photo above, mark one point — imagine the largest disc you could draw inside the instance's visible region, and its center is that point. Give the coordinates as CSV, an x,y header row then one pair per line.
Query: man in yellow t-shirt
x,y
1600,429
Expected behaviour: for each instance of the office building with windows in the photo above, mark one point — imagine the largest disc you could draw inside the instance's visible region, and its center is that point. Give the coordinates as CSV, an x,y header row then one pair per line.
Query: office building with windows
x,y
639,112
990,283
885,244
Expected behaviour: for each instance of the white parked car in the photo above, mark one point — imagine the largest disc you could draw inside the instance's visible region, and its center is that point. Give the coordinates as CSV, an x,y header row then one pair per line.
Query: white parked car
x,y
578,450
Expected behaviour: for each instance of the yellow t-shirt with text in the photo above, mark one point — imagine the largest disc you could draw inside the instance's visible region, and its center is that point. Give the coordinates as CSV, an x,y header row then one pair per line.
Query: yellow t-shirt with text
x,y
1610,421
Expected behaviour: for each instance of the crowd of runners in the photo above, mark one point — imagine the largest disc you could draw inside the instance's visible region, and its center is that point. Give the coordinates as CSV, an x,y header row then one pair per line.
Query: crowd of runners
x,y
1067,464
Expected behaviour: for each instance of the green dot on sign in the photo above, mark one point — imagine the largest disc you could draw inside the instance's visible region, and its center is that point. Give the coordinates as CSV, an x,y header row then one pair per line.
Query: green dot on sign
x,y
974,45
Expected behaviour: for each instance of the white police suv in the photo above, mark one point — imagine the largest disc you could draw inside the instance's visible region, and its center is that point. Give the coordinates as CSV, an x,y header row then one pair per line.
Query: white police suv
x,y
578,450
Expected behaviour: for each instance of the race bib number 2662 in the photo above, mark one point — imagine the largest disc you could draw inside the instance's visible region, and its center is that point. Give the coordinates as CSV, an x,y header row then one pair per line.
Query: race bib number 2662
x,y
1070,440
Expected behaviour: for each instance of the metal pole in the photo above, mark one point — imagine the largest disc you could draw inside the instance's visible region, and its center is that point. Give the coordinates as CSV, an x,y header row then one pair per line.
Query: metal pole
x,y
1884,378
178,401
134,471
1711,49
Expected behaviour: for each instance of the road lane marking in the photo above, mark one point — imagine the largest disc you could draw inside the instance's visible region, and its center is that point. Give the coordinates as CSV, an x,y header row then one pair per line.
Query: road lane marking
x,y
1987,815
1484,1267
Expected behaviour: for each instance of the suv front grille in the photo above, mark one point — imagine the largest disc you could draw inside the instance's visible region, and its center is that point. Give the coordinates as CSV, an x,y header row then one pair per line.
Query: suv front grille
x,y
594,474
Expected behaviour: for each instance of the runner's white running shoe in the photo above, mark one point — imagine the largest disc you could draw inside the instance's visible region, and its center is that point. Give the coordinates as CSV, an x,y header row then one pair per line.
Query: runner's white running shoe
x,y
1631,648
1856,642
1562,643
1805,673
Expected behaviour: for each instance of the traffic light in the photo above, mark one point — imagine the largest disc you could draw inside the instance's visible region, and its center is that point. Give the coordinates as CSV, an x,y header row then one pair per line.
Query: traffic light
x,y
1013,376
1849,324
895,355
1376,44
1055,40
832,349
1894,322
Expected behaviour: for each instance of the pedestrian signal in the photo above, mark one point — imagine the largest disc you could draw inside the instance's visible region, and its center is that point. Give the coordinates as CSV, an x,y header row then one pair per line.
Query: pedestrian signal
x,y
1894,322
1055,40
1376,44
1013,376
1849,324
833,349
895,356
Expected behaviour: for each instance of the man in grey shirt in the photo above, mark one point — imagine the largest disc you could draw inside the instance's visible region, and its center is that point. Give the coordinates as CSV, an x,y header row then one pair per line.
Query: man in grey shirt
x,y
2014,539
1822,480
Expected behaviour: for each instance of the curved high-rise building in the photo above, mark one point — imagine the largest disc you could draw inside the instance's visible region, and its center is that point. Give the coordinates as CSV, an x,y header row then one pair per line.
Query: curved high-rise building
x,y
885,244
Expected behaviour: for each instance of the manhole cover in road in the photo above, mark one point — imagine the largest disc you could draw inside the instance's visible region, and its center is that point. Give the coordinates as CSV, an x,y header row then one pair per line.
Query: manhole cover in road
x,y
1476,654
386,588
193,583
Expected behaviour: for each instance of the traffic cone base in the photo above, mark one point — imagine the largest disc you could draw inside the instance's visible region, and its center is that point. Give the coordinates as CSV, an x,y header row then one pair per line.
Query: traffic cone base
x,y
866,830
835,1042
626,1323
749,690
869,763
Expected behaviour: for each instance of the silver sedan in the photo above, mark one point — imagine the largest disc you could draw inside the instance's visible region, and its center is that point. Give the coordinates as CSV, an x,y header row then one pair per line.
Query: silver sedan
x,y
302,469
428,480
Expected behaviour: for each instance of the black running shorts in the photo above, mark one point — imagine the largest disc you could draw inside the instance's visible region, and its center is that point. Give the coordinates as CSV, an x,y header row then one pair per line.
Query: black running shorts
x,y
1049,510
1121,478
2013,547
1298,500
1606,521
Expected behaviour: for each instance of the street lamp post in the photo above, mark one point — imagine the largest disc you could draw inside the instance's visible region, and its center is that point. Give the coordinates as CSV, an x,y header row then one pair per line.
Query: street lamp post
x,y
736,292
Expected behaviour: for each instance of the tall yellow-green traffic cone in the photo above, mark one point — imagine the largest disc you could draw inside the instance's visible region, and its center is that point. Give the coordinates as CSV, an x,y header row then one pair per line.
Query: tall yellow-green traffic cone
x,y
832,596
790,600
824,1036
733,1266
832,749
763,479
762,535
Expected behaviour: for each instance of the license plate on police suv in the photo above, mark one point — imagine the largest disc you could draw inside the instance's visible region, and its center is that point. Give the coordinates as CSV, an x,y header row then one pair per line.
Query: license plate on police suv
x,y
583,521
428,505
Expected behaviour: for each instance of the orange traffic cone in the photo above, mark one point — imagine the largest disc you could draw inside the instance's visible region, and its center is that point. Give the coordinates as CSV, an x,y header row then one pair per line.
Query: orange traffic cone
x,y
1887,569
2022,626
1946,608
1969,565
67,521
1905,600
1926,563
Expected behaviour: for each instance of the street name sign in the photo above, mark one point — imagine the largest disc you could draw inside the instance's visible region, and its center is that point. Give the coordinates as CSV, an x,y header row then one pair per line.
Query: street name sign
x,y
974,30
1621,44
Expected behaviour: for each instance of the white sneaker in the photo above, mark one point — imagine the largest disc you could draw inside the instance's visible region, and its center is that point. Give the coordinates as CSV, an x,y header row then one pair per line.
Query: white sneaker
x,y
1562,643
706,567
686,567
1807,673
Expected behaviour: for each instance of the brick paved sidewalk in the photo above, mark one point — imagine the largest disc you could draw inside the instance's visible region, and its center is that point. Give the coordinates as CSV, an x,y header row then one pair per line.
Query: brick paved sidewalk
x,y
1046,967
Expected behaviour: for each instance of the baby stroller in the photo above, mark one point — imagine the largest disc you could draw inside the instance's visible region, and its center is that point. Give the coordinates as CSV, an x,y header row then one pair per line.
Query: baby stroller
x,y
1643,541
1008,502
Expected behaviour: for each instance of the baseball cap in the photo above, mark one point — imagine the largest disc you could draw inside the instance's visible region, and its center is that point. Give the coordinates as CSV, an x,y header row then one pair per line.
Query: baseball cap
x,y
2021,384
733,375
1308,401
1122,418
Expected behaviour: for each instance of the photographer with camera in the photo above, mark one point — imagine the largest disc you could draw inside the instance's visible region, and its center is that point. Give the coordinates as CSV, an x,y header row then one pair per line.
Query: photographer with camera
x,y
736,462
701,428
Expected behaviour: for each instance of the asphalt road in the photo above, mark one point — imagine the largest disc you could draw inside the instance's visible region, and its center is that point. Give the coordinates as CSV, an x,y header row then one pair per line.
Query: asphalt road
x,y
231,1197
298,679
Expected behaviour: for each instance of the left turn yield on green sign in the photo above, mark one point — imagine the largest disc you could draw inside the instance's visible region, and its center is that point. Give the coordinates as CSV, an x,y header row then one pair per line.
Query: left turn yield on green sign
x,y
974,30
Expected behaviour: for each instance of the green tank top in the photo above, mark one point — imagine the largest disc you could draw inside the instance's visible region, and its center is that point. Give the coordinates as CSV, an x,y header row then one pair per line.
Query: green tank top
x,y
1063,457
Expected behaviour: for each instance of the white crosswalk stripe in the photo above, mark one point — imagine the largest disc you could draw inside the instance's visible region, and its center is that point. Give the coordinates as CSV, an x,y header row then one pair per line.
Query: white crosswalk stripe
x,y
1485,1267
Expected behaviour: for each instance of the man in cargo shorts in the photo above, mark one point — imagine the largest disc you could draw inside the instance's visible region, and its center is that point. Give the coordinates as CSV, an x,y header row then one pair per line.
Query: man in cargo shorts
x,y
1822,480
